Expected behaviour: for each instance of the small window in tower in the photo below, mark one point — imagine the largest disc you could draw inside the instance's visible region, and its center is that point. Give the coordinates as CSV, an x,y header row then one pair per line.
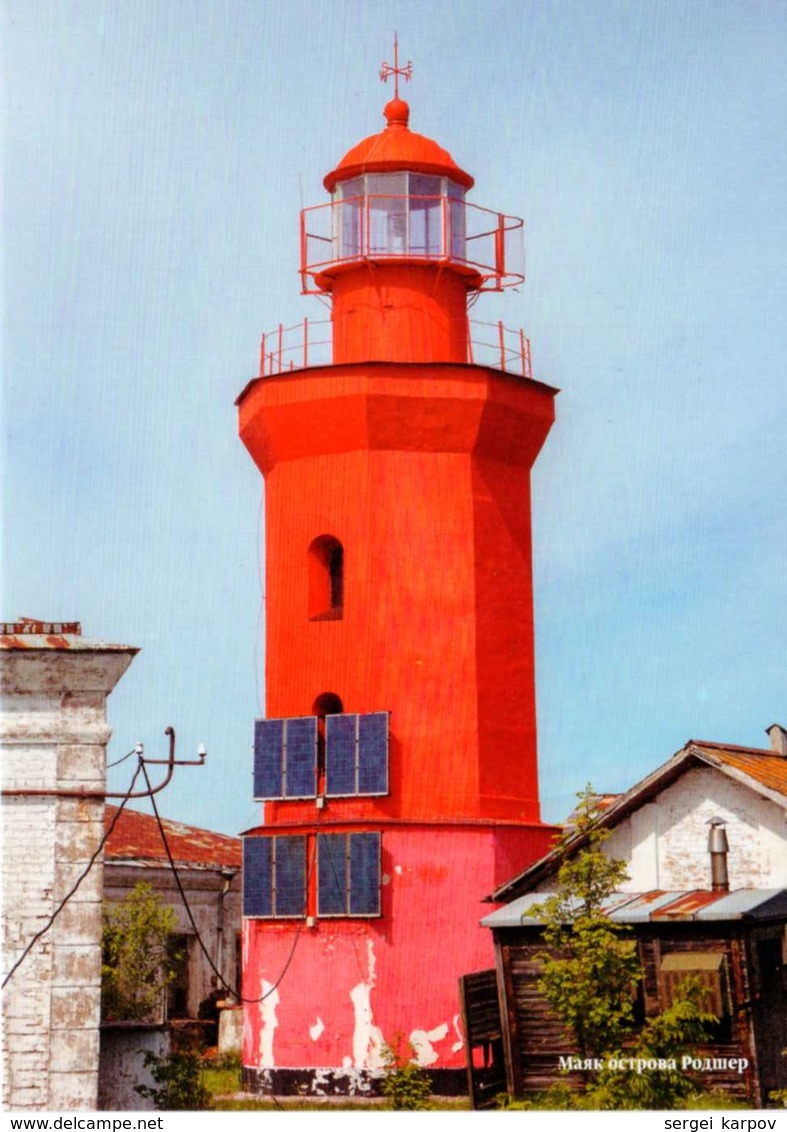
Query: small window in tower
x,y
328,703
326,579
348,874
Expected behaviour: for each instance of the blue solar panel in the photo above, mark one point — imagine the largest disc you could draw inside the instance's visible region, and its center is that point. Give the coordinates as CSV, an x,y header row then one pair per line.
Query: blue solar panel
x,y
340,755
373,753
300,776
268,746
331,874
290,876
364,874
257,875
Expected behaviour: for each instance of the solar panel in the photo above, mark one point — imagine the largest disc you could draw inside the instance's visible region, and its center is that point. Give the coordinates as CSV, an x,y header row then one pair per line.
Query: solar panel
x,y
373,753
257,875
300,758
340,755
290,867
268,748
364,874
331,874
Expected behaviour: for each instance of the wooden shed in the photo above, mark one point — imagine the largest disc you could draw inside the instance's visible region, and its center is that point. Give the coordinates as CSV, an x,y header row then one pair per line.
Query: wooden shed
x,y
713,905
733,941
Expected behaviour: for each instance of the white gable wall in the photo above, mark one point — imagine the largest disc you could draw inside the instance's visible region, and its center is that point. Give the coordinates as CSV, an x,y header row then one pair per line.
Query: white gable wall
x,y
666,840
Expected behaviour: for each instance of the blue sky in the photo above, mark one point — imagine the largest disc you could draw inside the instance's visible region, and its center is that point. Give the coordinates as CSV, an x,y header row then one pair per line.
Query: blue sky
x,y
156,157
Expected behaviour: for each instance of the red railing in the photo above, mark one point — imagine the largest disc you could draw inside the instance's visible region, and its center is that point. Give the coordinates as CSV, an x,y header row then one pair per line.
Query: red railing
x,y
441,230
309,343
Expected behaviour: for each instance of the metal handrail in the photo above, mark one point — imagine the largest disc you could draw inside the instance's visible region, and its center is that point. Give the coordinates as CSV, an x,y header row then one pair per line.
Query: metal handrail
x,y
300,346
352,229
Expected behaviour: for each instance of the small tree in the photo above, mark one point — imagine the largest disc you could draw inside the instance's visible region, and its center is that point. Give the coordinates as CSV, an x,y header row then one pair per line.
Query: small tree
x,y
135,970
663,1041
589,975
590,970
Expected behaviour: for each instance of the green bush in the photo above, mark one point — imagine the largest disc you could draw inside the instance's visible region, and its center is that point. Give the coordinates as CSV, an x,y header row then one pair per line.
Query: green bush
x,y
178,1085
135,964
405,1085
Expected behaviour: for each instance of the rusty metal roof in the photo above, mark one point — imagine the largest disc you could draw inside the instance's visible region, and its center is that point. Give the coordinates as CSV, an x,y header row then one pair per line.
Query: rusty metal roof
x,y
26,633
765,767
136,837
657,906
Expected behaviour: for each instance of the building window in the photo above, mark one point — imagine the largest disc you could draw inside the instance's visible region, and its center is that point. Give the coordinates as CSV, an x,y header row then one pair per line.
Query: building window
x,y
326,579
348,874
285,758
711,970
178,988
274,877
356,754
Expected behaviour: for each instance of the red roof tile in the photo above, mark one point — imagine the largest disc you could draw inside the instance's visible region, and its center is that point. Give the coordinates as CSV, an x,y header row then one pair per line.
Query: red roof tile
x,y
136,836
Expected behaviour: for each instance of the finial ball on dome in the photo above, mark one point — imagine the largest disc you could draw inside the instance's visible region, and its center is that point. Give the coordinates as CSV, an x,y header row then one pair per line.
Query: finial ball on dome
x,y
397,112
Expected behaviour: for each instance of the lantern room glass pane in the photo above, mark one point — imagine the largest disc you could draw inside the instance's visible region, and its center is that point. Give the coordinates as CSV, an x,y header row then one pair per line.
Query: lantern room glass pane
x,y
347,217
426,215
386,198
457,221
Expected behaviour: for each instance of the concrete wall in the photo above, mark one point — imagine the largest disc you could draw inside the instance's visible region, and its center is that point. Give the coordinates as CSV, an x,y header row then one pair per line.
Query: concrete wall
x,y
53,736
123,1049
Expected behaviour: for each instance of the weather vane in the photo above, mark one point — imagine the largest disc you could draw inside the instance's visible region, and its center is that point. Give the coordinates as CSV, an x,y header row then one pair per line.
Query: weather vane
x,y
386,69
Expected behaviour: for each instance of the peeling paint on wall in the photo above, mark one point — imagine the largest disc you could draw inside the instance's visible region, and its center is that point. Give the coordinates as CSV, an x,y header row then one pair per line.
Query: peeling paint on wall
x,y
269,1023
368,1040
316,1030
421,1041
460,1040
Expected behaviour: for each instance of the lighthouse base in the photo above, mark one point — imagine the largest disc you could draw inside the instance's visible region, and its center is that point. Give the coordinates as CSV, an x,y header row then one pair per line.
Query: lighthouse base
x,y
328,1001
361,1083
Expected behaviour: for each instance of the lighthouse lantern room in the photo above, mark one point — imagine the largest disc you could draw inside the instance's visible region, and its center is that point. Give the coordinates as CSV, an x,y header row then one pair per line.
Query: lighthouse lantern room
x,y
396,763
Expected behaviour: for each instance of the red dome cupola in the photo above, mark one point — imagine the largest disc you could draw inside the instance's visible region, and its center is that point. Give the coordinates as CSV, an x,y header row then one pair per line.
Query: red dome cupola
x,y
399,248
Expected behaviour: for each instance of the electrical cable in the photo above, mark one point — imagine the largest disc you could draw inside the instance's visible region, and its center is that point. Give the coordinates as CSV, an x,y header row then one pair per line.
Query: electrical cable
x,y
117,762
79,880
234,991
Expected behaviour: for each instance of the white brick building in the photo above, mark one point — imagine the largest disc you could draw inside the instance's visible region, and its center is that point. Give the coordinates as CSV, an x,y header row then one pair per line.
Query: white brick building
x,y
53,737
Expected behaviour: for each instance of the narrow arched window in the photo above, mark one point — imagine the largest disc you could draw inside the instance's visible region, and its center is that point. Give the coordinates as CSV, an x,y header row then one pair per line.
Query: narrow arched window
x,y
326,579
328,703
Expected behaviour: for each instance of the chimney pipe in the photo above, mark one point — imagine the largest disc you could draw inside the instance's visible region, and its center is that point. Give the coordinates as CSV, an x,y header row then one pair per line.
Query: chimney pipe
x,y
778,738
718,848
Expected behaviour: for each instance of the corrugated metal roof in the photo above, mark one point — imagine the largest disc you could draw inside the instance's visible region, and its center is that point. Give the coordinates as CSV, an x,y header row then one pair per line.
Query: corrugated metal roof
x,y
136,837
655,906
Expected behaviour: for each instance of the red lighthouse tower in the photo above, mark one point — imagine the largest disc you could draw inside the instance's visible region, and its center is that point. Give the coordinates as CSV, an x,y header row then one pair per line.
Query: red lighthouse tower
x,y
397,761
